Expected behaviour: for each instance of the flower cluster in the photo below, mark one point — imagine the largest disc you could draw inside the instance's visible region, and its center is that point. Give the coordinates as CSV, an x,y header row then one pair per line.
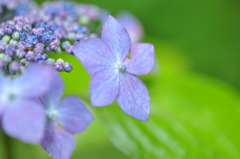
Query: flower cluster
x,y
10,8
31,90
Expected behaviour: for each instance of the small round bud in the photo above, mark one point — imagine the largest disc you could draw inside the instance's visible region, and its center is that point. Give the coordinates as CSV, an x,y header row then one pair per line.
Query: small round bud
x,y
10,50
59,65
67,67
29,56
13,42
7,58
6,38
1,55
50,61
20,53
14,66
65,44
8,29
69,49
27,27
16,35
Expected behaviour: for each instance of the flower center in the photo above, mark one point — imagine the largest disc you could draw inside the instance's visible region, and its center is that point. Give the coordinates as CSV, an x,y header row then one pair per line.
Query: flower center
x,y
121,67
8,96
51,114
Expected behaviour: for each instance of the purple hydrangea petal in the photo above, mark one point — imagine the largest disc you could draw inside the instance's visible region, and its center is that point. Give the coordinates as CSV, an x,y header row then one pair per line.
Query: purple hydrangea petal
x,y
142,59
132,25
25,121
36,77
94,54
2,108
2,82
117,38
104,87
134,97
54,94
58,143
74,115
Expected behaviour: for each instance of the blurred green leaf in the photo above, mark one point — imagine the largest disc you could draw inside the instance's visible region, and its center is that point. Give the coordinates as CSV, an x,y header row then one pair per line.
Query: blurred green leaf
x,y
2,148
191,117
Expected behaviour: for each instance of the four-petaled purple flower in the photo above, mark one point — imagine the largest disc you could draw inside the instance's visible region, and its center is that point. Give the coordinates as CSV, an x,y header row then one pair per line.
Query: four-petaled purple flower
x,y
113,63
22,117
70,114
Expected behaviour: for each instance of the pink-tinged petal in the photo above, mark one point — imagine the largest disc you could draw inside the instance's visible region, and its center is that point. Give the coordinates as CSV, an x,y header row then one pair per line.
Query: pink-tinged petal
x,y
104,87
35,81
25,121
94,54
134,97
132,25
74,115
141,61
54,94
57,142
117,38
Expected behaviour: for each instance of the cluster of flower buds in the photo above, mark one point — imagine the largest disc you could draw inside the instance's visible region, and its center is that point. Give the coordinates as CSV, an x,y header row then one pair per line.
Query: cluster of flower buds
x,y
97,40
11,8
53,28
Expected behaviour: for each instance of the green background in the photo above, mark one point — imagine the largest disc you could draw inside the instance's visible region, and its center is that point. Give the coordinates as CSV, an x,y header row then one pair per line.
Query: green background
x,y
194,87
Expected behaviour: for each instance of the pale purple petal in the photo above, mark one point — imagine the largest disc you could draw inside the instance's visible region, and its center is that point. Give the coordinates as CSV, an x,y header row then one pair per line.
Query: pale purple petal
x,y
132,25
2,108
117,38
35,81
104,87
142,59
134,97
24,121
54,94
58,143
2,83
94,54
74,115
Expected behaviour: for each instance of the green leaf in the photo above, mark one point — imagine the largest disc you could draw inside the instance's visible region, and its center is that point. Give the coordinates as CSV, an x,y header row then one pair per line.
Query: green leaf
x,y
192,116
2,148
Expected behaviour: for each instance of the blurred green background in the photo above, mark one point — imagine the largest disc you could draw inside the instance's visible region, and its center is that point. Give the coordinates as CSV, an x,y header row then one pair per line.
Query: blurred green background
x,y
194,88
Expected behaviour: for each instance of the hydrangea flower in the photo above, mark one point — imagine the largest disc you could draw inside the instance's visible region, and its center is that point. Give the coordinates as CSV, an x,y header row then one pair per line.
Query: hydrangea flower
x,y
31,108
113,63
22,117
70,113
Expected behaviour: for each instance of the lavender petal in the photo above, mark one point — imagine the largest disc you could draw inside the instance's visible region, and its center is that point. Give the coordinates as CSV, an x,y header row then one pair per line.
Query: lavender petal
x,y
36,77
25,121
94,54
104,87
142,59
57,142
117,38
134,97
55,92
74,115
